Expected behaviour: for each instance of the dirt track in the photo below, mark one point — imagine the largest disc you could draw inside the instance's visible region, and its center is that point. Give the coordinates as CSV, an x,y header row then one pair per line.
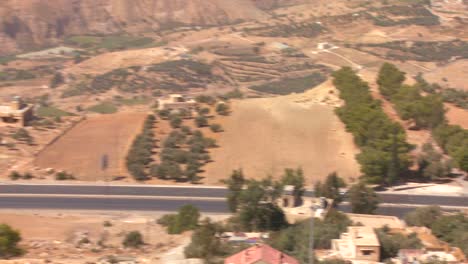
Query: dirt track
x,y
264,136
80,150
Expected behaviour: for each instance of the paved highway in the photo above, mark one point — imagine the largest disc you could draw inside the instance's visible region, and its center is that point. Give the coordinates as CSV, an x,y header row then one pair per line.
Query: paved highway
x,y
141,204
198,192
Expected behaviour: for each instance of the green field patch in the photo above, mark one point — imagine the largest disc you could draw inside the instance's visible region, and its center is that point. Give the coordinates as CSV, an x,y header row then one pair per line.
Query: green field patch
x,y
104,108
291,85
51,111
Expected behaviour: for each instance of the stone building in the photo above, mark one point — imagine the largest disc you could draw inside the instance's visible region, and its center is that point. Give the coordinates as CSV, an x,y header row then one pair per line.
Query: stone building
x,y
360,243
16,113
176,102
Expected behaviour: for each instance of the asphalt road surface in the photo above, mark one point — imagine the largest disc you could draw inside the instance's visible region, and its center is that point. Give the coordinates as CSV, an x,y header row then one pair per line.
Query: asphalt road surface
x,y
141,204
191,192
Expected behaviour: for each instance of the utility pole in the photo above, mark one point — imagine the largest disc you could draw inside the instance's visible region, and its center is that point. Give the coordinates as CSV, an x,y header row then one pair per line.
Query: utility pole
x,y
311,233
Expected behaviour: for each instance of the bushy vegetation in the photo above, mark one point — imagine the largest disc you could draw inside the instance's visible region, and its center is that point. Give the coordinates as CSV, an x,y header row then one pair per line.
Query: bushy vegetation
x,y
414,16
64,176
11,74
454,141
287,86
457,97
186,219
363,199
431,163
9,239
206,244
133,239
139,156
23,136
425,111
14,175
252,200
330,188
57,80
175,76
294,240
451,228
183,154
384,151
423,50
391,243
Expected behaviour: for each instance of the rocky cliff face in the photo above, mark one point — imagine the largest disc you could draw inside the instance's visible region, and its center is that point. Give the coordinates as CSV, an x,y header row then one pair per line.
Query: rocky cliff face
x,y
27,23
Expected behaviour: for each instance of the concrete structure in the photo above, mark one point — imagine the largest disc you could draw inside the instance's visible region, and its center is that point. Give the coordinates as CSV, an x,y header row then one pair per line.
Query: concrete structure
x,y
244,237
260,254
359,244
16,112
378,221
416,256
299,210
175,102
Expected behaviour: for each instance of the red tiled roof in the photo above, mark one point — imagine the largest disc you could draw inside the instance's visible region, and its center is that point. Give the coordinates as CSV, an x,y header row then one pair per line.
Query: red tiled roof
x,y
263,253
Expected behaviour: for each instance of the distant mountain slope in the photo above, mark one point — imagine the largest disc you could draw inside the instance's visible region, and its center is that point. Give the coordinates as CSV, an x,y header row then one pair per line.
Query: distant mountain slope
x,y
26,23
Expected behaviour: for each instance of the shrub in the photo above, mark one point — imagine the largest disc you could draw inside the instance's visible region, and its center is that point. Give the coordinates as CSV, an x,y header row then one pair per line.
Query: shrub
x,y
216,128
186,219
222,109
9,239
201,121
23,135
14,175
57,80
205,99
175,121
63,176
391,243
133,239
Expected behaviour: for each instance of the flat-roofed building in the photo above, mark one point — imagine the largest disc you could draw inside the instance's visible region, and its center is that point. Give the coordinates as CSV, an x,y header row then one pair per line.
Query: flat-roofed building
x,y
176,102
16,113
359,243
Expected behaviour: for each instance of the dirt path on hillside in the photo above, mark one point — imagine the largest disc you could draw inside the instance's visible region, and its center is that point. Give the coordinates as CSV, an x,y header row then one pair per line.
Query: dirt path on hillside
x,y
264,136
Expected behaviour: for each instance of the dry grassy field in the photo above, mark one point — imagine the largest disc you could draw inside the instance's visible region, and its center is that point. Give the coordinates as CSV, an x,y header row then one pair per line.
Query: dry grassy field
x,y
81,149
264,136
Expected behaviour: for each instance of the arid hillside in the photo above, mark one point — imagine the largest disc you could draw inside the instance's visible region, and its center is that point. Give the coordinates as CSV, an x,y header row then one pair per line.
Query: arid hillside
x,y
28,23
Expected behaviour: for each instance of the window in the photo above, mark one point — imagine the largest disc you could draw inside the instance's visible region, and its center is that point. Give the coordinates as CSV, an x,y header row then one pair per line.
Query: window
x,y
367,252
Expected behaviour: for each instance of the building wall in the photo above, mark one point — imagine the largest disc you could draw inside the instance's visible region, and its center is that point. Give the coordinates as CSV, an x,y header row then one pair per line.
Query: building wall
x,y
374,256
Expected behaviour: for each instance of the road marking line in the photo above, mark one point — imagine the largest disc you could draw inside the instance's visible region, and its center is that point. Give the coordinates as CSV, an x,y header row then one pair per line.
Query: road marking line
x,y
103,196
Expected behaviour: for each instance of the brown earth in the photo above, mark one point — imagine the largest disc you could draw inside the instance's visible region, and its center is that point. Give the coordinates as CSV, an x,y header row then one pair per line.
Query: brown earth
x,y
452,75
265,136
24,24
457,116
54,237
80,150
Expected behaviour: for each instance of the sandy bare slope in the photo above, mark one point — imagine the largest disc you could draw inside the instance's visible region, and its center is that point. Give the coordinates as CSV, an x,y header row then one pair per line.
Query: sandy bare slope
x,y
264,136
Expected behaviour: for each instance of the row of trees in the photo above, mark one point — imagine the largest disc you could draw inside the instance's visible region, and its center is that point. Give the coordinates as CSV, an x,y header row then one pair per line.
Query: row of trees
x,y
426,112
140,154
384,151
183,154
